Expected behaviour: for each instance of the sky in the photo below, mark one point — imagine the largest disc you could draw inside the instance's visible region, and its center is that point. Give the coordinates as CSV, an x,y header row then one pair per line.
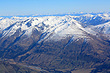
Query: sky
x,y
28,7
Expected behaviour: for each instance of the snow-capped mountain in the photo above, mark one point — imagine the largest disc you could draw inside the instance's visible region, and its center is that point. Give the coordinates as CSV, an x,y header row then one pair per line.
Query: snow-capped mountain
x,y
90,19
56,27
52,27
57,42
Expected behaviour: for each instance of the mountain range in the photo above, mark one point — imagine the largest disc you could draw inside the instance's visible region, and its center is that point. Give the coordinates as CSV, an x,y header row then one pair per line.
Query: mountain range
x,y
57,43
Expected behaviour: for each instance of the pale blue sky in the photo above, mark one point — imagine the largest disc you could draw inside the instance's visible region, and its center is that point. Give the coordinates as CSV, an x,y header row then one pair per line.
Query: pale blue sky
x,y
27,7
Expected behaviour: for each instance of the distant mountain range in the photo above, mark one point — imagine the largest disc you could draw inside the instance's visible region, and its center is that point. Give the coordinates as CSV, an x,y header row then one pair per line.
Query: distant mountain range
x,y
64,42
61,14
